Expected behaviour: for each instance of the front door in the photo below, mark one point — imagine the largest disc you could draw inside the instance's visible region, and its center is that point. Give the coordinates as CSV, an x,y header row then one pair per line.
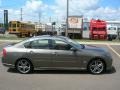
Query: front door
x,y
62,56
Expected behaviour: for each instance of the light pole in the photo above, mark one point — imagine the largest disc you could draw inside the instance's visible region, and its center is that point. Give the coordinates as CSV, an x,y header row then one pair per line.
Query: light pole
x,y
66,32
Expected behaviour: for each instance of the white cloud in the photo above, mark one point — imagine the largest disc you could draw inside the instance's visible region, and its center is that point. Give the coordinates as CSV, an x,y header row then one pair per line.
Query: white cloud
x,y
32,8
106,13
87,8
34,5
76,7
30,11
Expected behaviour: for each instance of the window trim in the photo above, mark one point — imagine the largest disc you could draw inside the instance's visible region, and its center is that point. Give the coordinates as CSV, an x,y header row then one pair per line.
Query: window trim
x,y
59,49
30,42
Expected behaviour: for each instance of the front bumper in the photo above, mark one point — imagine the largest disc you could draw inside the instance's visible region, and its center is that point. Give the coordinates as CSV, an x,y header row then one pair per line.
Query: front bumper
x,y
109,64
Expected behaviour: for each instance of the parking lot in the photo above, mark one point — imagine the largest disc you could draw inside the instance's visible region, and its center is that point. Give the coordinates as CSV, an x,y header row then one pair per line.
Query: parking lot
x,y
62,80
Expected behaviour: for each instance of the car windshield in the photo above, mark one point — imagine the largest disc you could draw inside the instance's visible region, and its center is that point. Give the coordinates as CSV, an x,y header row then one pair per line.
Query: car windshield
x,y
78,45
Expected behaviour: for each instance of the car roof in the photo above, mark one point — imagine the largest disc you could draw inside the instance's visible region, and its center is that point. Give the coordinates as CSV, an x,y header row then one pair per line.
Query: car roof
x,y
43,37
50,37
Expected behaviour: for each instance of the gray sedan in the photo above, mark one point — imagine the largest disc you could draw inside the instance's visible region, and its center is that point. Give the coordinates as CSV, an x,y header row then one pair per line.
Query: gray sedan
x,y
56,52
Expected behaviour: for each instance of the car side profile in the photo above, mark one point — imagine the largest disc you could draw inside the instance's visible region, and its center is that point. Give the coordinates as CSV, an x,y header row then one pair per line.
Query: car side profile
x,y
56,52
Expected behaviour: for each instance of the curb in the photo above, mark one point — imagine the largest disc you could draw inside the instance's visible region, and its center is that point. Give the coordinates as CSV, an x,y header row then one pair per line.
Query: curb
x,y
103,43
10,40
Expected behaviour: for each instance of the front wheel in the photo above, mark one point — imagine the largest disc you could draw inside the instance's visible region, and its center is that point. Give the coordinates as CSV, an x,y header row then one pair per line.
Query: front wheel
x,y
24,66
96,66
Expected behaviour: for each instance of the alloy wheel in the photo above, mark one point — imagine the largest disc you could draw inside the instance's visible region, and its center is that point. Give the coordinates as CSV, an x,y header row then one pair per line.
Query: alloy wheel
x,y
96,67
24,66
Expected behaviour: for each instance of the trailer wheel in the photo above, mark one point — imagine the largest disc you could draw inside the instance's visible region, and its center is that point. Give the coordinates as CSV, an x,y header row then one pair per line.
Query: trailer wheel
x,y
109,38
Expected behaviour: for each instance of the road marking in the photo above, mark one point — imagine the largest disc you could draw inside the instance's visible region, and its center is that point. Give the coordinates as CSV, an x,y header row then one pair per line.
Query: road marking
x,y
114,51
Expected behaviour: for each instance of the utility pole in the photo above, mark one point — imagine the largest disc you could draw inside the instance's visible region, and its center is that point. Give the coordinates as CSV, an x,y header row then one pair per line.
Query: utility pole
x,y
21,13
39,18
39,25
66,32
50,19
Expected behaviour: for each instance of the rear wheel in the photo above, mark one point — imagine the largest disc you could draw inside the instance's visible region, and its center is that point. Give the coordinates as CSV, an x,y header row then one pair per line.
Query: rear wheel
x,y
24,66
96,66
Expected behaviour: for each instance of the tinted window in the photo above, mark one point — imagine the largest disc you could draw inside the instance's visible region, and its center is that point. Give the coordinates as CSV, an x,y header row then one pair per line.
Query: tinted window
x,y
85,29
27,45
61,45
118,28
112,28
38,44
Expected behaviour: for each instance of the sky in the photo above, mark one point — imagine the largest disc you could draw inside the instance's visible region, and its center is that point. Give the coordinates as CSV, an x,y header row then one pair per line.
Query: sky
x,y
55,10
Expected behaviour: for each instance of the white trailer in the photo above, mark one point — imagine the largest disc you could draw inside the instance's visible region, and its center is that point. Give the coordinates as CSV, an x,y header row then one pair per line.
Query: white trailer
x,y
112,32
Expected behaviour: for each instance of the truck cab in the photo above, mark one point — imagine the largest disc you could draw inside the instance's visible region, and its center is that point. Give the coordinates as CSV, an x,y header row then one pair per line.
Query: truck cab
x,y
112,32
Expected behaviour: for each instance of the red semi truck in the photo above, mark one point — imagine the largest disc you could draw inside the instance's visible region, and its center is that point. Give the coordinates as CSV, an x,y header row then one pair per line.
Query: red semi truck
x,y
98,29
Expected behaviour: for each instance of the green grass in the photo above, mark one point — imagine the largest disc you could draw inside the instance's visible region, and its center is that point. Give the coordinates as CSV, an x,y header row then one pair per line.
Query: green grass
x,y
87,40
13,37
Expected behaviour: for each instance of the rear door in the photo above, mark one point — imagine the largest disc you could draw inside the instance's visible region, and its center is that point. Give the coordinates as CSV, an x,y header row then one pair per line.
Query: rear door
x,y
39,52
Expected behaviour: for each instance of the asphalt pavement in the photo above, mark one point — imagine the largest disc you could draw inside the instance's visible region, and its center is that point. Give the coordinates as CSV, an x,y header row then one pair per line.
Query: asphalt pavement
x,y
62,80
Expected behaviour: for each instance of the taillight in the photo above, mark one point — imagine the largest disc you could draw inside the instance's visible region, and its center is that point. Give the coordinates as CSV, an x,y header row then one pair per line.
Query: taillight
x,y
4,53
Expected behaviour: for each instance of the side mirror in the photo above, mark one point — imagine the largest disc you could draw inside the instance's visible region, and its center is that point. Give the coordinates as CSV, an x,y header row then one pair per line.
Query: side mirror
x,y
73,49
83,46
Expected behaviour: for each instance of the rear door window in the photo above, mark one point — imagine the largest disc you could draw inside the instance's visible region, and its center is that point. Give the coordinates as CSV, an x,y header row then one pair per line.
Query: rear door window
x,y
38,44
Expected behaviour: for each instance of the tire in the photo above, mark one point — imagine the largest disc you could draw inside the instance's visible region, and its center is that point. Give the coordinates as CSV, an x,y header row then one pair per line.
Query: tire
x,y
19,35
24,66
96,66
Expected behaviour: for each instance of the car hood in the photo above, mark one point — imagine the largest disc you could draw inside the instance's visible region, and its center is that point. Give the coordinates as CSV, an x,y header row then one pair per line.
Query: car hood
x,y
94,48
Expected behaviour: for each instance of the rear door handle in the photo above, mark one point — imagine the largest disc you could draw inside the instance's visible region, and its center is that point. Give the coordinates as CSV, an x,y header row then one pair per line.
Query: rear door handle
x,y
31,52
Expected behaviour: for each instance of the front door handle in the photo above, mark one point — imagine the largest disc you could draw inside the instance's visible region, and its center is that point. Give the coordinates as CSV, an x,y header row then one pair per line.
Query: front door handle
x,y
55,53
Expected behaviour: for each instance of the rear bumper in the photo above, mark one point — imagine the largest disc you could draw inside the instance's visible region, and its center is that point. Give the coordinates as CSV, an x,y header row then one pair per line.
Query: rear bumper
x,y
8,65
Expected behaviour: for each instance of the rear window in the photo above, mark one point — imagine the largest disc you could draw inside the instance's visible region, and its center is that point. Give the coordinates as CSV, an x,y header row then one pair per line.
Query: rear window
x,y
37,44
